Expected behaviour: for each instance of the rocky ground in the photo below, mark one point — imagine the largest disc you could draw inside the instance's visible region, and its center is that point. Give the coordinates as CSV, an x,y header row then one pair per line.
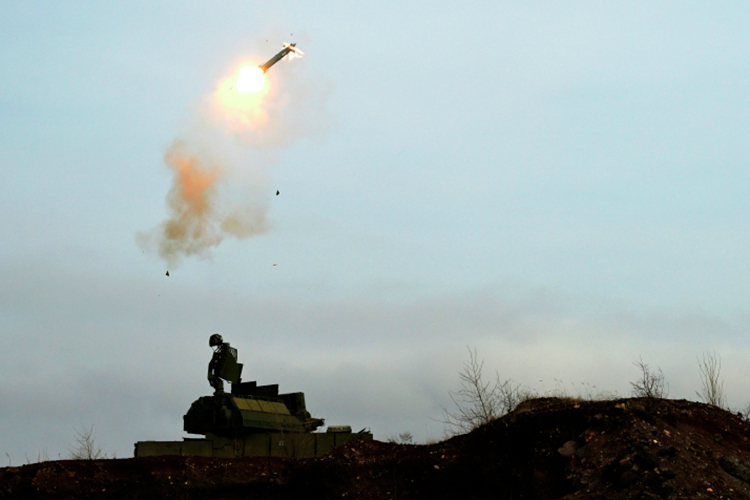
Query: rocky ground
x,y
549,448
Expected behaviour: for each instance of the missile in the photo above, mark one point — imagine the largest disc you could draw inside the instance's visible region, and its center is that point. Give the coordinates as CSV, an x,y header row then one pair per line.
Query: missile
x,y
288,47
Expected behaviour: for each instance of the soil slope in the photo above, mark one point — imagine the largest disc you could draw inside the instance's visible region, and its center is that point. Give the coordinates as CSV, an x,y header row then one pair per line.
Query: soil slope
x,y
549,448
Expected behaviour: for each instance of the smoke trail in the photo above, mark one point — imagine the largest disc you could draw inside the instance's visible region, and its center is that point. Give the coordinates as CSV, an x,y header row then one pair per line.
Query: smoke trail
x,y
196,221
229,124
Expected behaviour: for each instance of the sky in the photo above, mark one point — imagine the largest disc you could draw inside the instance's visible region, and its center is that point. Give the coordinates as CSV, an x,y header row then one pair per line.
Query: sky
x,y
562,186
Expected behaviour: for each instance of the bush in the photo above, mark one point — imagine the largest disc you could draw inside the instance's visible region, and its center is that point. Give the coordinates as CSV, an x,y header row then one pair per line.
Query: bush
x,y
403,438
650,384
86,447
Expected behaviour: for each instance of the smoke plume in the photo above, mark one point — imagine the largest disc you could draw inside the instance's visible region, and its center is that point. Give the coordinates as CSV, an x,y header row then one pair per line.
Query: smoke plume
x,y
197,220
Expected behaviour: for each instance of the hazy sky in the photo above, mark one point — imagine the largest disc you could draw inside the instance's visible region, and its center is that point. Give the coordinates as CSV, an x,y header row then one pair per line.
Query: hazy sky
x,y
561,185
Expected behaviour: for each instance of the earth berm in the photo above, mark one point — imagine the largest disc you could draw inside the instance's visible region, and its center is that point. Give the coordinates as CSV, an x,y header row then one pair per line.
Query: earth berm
x,y
548,448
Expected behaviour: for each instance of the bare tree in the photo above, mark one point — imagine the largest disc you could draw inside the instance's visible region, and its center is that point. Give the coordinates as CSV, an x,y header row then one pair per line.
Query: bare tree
x,y
744,413
477,401
650,384
86,447
712,391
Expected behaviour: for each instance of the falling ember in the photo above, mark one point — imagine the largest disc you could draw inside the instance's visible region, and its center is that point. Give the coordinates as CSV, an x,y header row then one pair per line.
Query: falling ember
x,y
250,79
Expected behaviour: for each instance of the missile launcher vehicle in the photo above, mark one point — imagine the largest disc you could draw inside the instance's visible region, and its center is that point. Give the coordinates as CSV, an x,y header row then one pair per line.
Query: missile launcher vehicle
x,y
250,420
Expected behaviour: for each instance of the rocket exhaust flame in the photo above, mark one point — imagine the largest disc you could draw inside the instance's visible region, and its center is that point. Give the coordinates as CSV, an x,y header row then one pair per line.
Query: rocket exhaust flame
x,y
250,79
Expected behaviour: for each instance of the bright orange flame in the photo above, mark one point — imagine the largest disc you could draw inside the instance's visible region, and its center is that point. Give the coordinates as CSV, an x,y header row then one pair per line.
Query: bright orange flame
x,y
250,79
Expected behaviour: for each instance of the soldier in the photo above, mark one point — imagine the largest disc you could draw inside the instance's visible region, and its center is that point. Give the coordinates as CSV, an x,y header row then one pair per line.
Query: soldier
x,y
223,364
214,366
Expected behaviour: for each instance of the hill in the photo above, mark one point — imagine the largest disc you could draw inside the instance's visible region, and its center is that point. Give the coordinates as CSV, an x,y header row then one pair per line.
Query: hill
x,y
547,448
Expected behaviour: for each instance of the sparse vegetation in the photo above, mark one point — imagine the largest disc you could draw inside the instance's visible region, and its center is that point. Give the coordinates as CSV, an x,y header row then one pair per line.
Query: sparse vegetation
x,y
650,384
712,391
86,447
40,457
478,401
581,392
559,391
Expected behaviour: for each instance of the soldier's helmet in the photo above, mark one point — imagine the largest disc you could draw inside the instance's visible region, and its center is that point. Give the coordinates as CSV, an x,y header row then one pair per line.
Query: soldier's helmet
x,y
215,340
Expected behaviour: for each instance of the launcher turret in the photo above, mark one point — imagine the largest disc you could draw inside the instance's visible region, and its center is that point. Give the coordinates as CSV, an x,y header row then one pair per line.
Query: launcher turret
x,y
250,420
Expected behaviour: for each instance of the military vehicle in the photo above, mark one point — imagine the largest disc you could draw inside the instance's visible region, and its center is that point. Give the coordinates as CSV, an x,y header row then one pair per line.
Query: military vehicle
x,y
250,420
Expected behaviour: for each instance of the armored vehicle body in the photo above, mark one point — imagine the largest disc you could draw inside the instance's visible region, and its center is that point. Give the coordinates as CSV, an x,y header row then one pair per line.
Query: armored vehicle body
x,y
251,420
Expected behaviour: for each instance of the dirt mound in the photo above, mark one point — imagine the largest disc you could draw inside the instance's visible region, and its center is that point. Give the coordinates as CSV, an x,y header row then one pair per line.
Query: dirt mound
x,y
548,448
